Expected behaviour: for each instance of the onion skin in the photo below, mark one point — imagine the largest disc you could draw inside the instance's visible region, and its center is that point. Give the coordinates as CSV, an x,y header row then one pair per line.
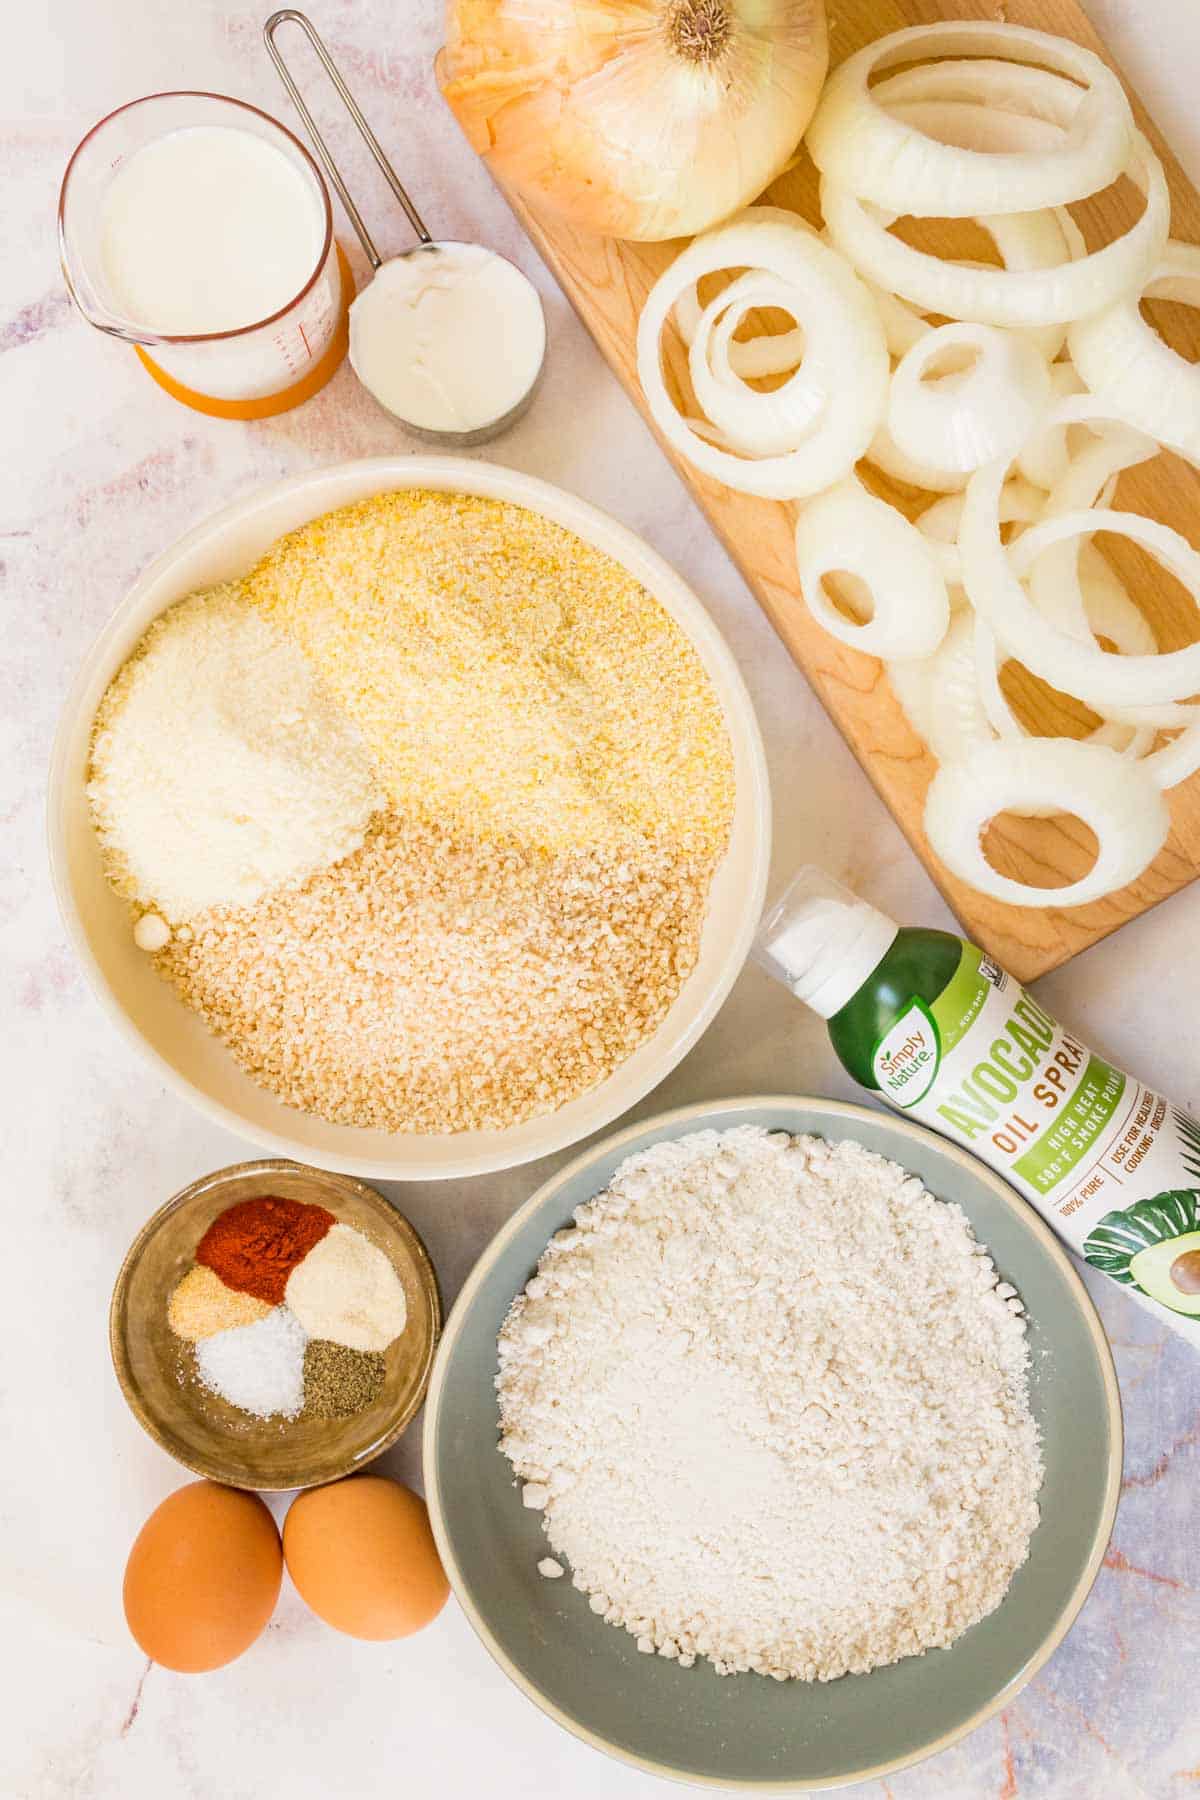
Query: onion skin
x,y
602,114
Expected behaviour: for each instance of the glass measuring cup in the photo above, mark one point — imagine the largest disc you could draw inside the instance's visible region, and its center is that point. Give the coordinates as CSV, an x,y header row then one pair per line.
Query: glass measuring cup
x,y
262,368
425,246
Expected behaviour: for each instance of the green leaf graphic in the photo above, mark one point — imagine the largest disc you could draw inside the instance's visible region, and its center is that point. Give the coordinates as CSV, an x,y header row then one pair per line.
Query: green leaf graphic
x,y
1189,1131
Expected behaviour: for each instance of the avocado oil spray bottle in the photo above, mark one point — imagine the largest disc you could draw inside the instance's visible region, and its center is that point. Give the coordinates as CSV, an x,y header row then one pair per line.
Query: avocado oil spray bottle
x,y
941,1032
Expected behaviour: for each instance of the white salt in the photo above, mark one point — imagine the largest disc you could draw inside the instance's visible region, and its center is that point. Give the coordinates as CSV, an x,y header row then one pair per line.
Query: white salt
x,y
259,1367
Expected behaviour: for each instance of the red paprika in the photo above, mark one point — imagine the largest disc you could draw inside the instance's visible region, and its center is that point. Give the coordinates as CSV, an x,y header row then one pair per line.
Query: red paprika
x,y
254,1245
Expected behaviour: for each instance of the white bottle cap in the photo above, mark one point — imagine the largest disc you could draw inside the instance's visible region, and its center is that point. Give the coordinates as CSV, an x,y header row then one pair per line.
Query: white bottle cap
x,y
822,941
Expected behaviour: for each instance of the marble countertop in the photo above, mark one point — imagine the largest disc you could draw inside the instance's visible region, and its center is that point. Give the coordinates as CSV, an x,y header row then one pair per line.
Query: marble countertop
x,y
100,472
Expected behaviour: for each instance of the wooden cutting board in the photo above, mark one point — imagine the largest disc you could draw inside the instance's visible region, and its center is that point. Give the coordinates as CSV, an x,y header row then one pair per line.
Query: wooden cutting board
x,y
607,282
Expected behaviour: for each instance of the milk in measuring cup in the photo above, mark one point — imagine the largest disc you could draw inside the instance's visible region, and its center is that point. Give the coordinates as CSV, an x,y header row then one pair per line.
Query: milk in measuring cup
x,y
208,230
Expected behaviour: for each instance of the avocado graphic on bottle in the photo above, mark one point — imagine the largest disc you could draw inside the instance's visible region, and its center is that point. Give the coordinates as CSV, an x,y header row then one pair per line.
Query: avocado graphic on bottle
x,y
941,1032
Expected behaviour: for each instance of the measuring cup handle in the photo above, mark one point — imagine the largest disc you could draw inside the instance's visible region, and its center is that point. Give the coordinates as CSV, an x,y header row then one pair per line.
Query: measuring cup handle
x,y
289,15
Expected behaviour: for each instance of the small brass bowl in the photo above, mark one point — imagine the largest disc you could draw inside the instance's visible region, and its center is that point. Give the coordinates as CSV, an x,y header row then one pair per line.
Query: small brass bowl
x,y
156,1369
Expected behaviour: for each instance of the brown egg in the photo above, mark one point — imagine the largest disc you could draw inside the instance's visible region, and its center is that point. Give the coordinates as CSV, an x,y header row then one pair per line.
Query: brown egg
x,y
362,1555
203,1577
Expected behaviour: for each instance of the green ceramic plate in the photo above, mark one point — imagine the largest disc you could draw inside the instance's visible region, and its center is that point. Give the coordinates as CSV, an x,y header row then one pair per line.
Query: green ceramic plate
x,y
745,1731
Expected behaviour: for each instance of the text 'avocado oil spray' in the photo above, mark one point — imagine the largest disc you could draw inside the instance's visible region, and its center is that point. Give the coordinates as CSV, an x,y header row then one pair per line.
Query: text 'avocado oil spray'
x,y
944,1034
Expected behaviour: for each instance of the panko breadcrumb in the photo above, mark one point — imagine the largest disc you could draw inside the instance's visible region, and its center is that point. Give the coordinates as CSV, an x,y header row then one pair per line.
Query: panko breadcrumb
x,y
435,983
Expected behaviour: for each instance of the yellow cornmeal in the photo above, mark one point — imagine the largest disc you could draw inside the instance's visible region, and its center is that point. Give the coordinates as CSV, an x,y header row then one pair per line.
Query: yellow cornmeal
x,y
509,679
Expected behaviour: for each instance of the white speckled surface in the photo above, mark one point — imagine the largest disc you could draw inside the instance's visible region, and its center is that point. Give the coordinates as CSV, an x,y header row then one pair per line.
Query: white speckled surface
x,y
100,471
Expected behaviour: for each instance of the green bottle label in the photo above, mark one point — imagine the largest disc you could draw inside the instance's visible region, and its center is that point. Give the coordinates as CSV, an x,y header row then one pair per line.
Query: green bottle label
x,y
1110,1163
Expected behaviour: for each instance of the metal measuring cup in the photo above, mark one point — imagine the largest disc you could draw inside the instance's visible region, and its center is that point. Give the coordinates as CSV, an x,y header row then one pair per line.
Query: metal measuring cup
x,y
450,438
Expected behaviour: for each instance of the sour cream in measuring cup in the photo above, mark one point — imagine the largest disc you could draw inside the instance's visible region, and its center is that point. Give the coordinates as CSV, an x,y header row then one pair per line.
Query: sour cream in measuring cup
x,y
208,229
450,338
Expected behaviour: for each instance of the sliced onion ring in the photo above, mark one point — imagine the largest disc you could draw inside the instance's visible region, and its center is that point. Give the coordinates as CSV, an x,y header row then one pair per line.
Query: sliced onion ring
x,y
1158,676
855,141
1107,611
940,695
1020,504
968,125
1172,715
988,660
788,346
1126,363
1111,611
1025,241
903,326
884,453
1077,668
1118,799
1177,760
983,127
1016,297
960,421
1004,105
745,359
930,99
1088,480
1177,278
849,530
842,333
756,423
1044,456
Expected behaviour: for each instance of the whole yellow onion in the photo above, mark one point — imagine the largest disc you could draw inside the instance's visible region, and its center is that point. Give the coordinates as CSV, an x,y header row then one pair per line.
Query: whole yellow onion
x,y
635,118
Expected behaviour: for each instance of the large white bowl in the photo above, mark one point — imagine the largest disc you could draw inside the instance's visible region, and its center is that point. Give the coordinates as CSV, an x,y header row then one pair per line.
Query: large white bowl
x,y
144,1006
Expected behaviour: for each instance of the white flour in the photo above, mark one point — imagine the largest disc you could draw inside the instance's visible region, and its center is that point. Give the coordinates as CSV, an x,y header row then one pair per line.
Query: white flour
x,y
772,1398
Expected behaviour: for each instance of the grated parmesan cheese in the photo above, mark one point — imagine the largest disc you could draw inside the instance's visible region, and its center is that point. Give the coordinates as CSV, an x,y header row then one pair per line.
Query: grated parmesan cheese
x,y
221,767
